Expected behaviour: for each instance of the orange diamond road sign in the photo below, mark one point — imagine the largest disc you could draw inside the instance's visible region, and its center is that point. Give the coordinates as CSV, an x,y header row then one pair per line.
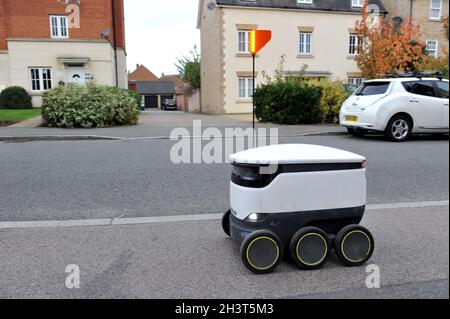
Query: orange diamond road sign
x,y
258,40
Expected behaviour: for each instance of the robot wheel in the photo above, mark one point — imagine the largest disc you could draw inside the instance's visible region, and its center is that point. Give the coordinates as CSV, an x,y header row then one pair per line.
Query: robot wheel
x,y
262,252
354,245
310,248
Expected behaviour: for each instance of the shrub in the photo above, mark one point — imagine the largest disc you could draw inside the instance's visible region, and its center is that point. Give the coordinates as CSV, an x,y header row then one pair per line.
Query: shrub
x,y
135,95
15,97
89,106
288,101
333,96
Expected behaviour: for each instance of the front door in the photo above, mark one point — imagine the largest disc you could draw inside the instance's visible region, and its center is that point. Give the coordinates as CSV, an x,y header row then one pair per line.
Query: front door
x,y
444,95
76,74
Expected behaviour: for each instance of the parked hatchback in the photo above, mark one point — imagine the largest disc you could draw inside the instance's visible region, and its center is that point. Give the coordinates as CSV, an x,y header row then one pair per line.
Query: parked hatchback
x,y
398,107
170,104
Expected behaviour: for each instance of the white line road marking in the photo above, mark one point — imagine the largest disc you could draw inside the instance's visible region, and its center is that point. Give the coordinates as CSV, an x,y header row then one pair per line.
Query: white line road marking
x,y
181,218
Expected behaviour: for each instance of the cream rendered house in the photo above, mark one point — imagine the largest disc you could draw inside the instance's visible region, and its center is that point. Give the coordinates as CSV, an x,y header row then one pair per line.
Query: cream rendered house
x,y
316,33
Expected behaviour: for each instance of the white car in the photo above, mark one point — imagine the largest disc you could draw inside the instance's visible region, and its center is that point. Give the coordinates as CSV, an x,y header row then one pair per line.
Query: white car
x,y
398,107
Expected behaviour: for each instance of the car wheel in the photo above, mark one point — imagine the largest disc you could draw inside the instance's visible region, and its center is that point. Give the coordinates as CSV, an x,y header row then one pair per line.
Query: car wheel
x,y
356,132
262,252
399,129
310,248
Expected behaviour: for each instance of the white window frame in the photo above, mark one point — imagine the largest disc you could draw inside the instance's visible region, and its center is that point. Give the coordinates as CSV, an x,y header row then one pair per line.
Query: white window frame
x,y
42,73
247,89
356,81
433,9
357,3
245,43
436,50
305,1
353,46
303,46
60,30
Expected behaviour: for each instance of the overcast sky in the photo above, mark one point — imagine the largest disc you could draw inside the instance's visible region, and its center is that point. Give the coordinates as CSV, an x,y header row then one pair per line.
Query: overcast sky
x,y
159,31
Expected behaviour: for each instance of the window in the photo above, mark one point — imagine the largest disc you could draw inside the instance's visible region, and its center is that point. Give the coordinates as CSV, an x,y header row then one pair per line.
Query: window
x,y
244,41
432,48
304,1
59,27
354,44
443,89
373,88
355,81
305,42
435,9
41,79
245,88
420,88
357,3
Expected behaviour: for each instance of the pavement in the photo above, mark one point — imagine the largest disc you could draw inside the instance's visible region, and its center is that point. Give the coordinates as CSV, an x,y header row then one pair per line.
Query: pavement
x,y
139,226
196,260
159,124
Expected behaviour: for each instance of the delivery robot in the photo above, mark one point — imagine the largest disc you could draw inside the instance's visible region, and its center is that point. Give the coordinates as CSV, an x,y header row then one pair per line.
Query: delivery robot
x,y
298,200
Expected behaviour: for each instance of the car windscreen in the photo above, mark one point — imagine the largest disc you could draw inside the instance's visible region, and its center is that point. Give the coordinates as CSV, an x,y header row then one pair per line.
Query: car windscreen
x,y
373,88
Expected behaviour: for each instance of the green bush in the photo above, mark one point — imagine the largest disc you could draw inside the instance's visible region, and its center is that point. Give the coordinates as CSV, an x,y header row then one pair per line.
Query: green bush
x,y
288,101
15,97
135,95
333,96
89,106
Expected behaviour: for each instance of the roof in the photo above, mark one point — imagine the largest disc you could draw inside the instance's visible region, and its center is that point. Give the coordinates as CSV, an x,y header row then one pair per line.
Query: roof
x,y
176,80
155,87
317,5
142,74
295,154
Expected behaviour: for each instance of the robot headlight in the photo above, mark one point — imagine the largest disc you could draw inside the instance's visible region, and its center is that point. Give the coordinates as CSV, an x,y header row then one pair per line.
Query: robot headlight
x,y
253,217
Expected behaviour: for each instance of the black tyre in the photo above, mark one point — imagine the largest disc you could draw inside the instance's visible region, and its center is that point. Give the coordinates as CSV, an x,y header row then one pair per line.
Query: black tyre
x,y
398,129
226,223
310,248
354,245
356,131
262,252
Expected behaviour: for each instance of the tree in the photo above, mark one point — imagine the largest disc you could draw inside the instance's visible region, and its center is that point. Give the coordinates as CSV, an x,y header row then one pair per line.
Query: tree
x,y
189,68
384,48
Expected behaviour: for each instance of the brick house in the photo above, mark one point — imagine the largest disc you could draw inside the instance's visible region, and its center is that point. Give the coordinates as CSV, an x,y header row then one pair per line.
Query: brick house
x,y
46,42
316,33
429,14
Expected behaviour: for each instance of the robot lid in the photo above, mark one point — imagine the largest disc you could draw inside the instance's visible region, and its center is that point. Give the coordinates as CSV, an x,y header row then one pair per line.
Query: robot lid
x,y
295,154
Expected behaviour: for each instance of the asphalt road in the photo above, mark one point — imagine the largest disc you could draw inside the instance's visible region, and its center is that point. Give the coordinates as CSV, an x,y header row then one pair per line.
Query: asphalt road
x,y
43,181
108,179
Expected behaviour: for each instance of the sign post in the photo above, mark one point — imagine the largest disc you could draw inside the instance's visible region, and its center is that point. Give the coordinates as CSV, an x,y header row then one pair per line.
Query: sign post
x,y
258,40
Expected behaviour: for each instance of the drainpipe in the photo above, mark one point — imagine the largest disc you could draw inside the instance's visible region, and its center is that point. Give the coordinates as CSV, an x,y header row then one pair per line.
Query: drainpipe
x,y
411,11
115,41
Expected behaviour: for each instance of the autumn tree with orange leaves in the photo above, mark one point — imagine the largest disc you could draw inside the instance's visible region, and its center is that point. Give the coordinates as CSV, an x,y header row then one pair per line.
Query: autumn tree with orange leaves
x,y
386,49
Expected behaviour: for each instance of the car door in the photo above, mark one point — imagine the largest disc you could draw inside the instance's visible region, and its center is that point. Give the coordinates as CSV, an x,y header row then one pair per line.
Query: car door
x,y
443,90
425,103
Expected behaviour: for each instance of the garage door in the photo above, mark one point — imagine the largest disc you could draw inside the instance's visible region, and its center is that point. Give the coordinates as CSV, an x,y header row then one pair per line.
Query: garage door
x,y
151,102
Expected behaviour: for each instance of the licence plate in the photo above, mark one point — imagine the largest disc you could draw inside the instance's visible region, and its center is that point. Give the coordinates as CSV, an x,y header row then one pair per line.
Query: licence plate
x,y
351,118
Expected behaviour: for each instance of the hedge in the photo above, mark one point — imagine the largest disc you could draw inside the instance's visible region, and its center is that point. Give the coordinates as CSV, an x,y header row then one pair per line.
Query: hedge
x,y
89,106
288,101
